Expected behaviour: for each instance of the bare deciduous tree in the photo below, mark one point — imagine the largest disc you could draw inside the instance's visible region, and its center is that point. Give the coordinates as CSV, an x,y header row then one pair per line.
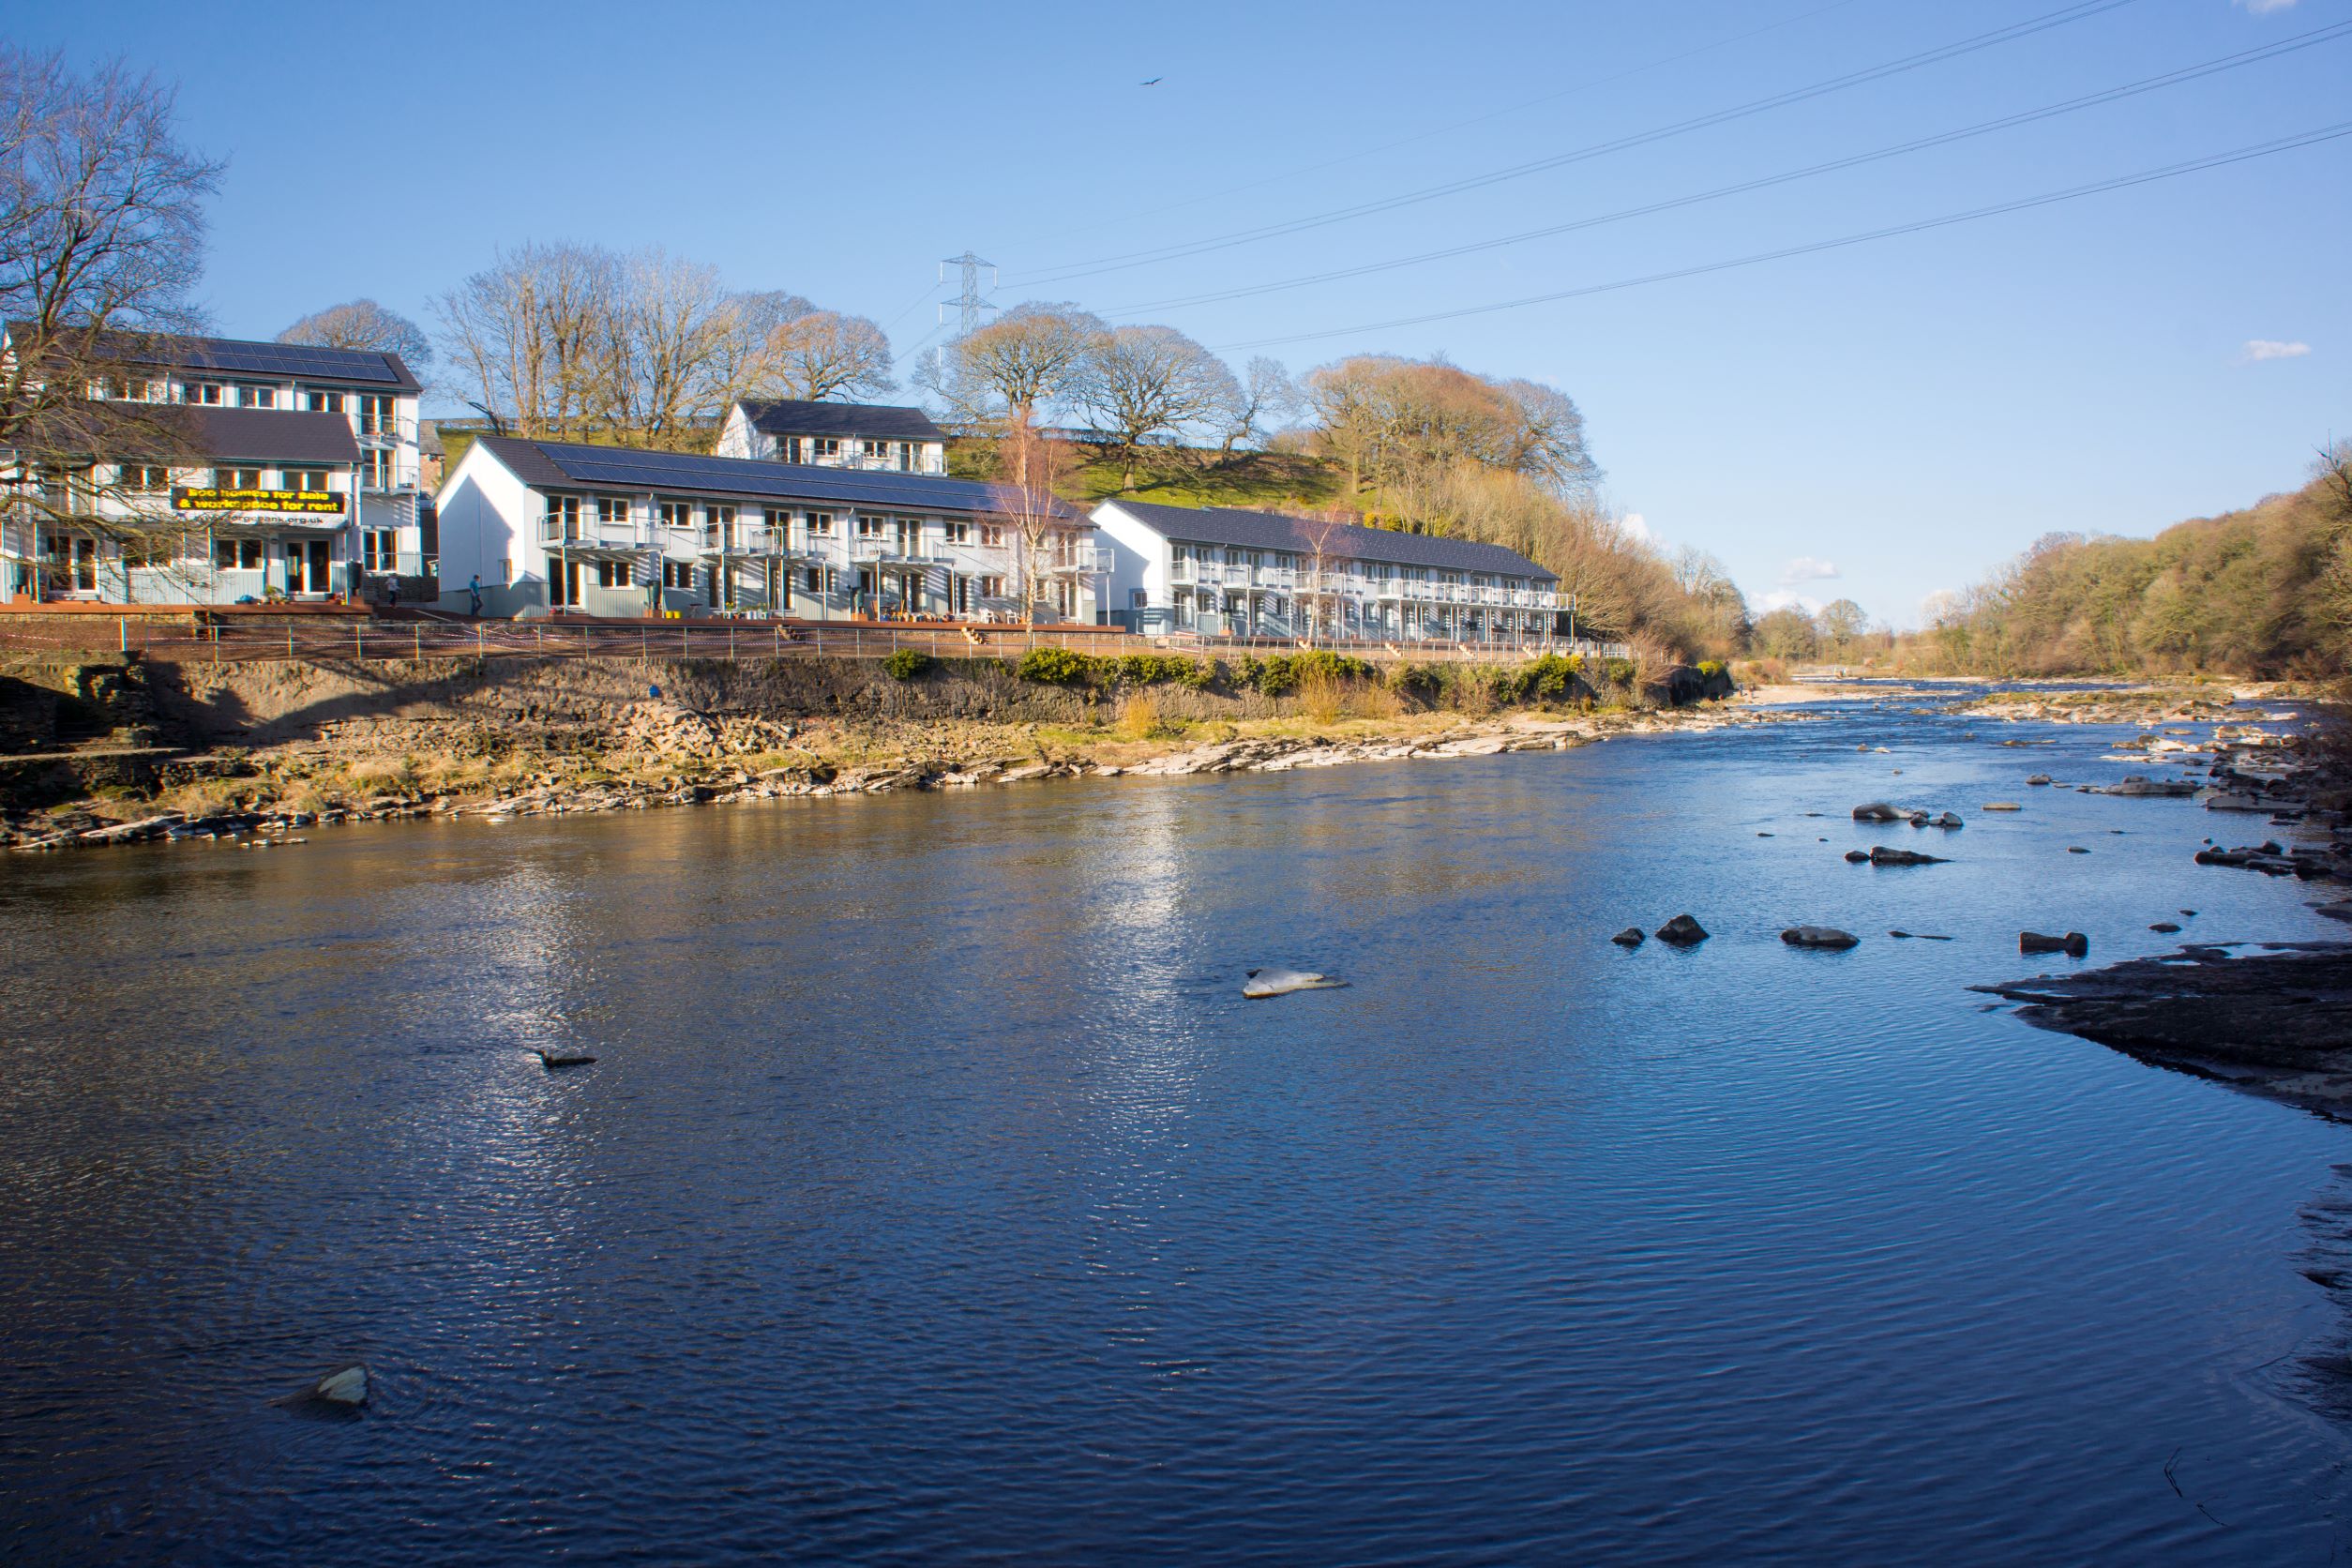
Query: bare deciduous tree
x,y
1030,465
823,354
1140,381
102,241
1265,394
362,323
527,335
1016,366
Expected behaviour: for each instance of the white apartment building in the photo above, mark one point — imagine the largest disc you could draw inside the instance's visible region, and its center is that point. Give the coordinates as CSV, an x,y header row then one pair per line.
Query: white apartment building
x,y
1220,572
870,436
263,418
245,506
556,526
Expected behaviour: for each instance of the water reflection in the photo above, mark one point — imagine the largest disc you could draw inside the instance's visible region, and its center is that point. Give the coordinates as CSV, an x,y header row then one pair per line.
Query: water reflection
x,y
937,1194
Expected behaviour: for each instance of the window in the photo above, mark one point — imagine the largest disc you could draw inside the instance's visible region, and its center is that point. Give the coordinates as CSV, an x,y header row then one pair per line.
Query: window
x,y
563,517
869,528
613,511
906,456
146,478
379,549
790,450
992,587
323,402
305,479
677,574
678,515
612,574
815,580
236,479
206,392
825,447
820,525
776,520
992,533
257,397
956,533
237,555
376,468
377,415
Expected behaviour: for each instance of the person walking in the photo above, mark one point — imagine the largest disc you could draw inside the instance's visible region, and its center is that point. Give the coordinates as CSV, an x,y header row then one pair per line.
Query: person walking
x,y
474,595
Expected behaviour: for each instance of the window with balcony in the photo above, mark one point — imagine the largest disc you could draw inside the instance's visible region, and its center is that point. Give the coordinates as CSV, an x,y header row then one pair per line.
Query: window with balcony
x,y
776,520
720,531
379,416
563,517
375,468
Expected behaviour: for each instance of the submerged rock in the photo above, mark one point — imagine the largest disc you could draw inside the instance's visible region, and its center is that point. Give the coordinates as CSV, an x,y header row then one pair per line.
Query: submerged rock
x,y
1259,984
2002,805
1681,932
2074,943
1879,811
1630,937
2138,785
1916,936
1819,935
1857,857
2038,779
1881,856
345,1385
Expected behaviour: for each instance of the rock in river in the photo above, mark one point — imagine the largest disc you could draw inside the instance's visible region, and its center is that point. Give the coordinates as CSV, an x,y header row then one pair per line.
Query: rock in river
x,y
1819,935
1630,937
1881,856
2074,943
1681,932
1263,983
1879,811
345,1385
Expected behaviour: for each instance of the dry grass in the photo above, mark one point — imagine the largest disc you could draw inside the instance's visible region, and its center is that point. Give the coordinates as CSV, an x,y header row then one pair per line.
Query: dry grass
x,y
1375,699
1141,716
1322,697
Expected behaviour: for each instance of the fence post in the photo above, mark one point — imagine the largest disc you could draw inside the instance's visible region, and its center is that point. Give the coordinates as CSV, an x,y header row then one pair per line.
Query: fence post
x,y
122,632
643,653
583,640
416,637
289,640
731,642
477,640
358,643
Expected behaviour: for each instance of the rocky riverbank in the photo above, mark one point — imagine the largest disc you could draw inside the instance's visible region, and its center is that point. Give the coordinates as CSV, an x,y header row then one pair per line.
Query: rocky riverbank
x,y
318,744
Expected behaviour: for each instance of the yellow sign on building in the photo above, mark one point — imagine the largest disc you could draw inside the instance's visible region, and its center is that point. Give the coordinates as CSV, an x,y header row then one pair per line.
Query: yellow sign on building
x,y
212,498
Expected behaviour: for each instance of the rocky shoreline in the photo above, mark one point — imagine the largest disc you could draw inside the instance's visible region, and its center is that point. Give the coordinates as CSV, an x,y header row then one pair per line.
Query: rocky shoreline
x,y
662,753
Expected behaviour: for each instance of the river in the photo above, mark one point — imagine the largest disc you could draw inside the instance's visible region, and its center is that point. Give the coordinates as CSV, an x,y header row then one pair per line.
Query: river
x,y
936,1196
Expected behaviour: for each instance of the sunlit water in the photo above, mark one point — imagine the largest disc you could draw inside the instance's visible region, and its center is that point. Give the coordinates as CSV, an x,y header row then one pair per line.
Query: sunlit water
x,y
936,1195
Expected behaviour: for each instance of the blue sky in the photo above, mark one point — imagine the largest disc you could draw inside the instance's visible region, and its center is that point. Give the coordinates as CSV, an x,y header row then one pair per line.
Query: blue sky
x,y
1902,415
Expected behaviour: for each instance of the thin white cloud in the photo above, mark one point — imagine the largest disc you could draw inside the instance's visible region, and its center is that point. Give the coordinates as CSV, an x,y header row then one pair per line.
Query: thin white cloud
x,y
2264,8
2259,349
1783,599
1807,569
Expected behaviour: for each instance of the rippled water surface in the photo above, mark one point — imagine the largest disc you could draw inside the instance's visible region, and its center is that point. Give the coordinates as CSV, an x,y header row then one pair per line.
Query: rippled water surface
x,y
937,1197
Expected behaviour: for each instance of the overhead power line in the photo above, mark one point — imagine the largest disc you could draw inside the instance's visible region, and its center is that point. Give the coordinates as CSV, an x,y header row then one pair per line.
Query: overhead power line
x,y
2006,122
2170,171
1598,149
1375,149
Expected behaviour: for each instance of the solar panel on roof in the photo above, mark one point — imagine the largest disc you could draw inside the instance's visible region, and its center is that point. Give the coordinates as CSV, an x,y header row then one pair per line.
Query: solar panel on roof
x,y
282,359
750,476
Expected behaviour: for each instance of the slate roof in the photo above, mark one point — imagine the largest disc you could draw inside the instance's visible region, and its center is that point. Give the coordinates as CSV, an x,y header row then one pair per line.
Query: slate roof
x,y
173,432
568,465
794,416
244,356
1226,525
278,433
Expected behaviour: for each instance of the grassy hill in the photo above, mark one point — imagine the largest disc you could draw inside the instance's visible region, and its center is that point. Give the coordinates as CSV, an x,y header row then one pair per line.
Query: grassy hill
x,y
1184,476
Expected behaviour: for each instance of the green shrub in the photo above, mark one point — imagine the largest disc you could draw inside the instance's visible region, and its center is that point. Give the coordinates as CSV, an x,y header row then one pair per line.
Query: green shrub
x,y
1541,679
1710,668
906,664
1621,671
1055,666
